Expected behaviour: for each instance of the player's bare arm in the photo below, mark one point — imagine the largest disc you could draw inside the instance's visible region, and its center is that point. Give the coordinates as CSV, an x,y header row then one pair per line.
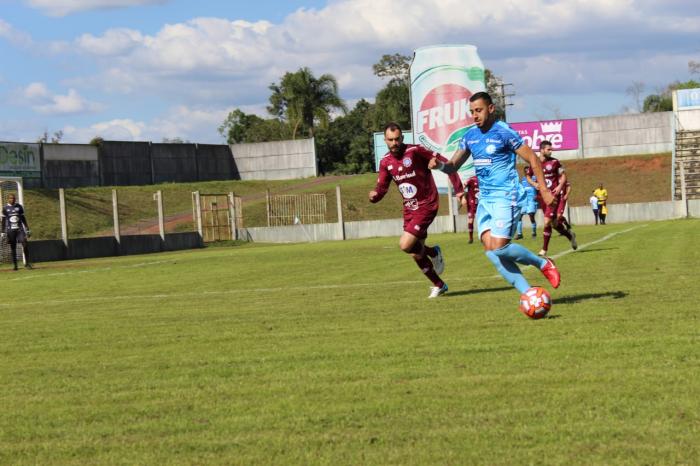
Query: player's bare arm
x,y
529,156
457,160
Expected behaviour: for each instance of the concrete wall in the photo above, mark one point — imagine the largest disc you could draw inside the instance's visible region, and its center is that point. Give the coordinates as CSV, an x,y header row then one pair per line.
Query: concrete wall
x,y
215,162
641,133
125,163
173,163
85,248
617,213
70,166
280,160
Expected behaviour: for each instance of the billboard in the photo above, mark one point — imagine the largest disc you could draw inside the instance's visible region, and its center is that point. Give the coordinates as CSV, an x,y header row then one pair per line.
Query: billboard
x,y
20,159
563,134
443,78
688,99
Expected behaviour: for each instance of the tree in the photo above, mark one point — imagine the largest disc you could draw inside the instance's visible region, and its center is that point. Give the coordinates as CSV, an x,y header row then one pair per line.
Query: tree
x,y
345,146
635,91
395,67
304,101
495,87
694,67
55,139
241,127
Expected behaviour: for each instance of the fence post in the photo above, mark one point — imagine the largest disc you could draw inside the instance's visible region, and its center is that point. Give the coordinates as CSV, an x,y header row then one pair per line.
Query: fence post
x,y
232,215
684,194
267,198
198,205
341,221
158,196
453,218
64,218
115,216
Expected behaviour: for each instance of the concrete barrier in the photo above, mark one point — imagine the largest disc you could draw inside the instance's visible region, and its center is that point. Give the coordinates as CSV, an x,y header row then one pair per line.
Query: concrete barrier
x,y
107,246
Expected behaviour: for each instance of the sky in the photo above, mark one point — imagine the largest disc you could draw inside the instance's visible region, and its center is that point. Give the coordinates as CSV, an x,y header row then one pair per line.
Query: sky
x,y
150,70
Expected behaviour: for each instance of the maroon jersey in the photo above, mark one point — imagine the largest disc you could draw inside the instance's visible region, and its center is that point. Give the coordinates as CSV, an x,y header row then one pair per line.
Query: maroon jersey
x,y
412,176
552,169
471,187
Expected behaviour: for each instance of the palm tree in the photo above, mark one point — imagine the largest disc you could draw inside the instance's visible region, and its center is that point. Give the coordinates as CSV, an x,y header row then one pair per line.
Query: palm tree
x,y
305,101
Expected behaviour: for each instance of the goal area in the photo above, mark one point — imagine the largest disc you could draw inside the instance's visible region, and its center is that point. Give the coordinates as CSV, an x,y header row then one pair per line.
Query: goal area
x,y
10,185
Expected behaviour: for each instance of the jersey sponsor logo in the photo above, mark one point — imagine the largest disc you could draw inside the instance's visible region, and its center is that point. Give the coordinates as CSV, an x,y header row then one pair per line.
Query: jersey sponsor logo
x,y
405,176
407,190
390,167
482,162
444,110
407,162
496,141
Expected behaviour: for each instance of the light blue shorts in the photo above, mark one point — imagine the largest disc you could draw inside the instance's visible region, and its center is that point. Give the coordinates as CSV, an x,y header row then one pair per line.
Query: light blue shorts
x,y
530,207
500,215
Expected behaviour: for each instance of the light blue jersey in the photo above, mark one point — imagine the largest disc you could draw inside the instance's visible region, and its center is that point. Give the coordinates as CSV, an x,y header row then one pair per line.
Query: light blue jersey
x,y
494,158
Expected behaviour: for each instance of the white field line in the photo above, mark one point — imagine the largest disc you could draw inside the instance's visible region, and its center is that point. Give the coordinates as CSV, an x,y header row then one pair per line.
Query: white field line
x,y
97,299
95,270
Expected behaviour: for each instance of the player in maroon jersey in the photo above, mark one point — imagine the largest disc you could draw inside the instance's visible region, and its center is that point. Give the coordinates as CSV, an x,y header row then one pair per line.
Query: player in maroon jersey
x,y
407,165
555,179
561,206
471,201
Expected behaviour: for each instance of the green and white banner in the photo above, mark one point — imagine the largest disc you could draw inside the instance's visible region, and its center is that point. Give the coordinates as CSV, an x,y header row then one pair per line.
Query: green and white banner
x,y
20,159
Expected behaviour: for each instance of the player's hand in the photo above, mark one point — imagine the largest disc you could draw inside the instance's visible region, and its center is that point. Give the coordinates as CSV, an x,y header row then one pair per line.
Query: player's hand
x,y
373,196
29,233
434,163
3,235
547,197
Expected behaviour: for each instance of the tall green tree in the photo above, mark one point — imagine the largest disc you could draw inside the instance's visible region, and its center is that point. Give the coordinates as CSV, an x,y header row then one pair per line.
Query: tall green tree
x,y
663,101
305,101
241,127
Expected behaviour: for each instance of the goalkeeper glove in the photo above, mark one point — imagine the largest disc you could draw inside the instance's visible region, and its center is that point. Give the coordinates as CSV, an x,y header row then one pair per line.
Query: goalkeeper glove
x,y
29,233
3,235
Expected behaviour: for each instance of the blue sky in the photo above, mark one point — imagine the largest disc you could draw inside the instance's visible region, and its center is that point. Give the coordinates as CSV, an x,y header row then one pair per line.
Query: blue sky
x,y
155,69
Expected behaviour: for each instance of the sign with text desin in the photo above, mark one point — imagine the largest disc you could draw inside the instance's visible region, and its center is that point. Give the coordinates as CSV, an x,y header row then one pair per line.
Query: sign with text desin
x,y
20,159
563,134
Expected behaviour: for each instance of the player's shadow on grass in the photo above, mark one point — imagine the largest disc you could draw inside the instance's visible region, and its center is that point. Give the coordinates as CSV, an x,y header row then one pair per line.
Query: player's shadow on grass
x,y
573,299
477,290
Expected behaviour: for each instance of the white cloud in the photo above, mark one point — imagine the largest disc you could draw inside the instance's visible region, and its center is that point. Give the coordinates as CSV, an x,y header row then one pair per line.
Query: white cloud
x,y
66,7
44,102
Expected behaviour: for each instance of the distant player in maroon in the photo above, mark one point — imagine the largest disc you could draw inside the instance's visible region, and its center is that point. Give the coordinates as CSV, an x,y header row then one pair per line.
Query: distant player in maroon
x,y
555,179
471,191
407,166
561,206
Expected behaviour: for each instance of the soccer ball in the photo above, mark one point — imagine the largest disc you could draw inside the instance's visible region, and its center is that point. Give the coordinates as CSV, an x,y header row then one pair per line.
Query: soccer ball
x,y
535,302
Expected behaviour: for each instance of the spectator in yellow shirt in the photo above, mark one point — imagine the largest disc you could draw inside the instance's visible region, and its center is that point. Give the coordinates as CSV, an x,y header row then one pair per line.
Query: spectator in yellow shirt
x,y
602,194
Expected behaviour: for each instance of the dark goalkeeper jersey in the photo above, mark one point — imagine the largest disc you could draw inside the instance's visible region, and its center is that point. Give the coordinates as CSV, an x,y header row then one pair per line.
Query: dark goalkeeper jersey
x,y
14,217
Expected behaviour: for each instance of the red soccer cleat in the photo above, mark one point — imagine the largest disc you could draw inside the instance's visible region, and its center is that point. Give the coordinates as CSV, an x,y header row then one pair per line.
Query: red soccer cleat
x,y
551,272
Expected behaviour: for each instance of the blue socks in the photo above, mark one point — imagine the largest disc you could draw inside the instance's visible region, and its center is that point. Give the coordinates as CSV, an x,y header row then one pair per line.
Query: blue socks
x,y
519,229
505,260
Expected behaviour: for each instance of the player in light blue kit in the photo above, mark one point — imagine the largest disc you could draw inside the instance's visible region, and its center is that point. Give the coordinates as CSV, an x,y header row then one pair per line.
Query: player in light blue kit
x,y
529,206
494,145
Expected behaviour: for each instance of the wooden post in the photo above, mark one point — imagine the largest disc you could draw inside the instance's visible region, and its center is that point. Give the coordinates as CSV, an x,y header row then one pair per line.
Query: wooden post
x,y
341,221
198,206
267,198
115,216
64,217
158,196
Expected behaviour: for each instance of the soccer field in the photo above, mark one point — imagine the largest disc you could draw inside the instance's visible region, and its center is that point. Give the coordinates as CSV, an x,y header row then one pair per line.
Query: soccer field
x,y
331,353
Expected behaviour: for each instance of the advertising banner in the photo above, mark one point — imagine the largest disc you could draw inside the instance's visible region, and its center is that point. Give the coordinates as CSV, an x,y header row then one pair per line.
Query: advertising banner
x,y
563,134
20,159
443,78
688,99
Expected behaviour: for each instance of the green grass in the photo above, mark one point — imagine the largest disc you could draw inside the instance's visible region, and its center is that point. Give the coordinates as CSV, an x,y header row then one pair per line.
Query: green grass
x,y
90,209
330,353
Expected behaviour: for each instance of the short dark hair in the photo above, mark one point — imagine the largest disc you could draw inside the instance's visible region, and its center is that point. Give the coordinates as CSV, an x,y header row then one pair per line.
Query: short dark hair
x,y
545,143
481,95
393,126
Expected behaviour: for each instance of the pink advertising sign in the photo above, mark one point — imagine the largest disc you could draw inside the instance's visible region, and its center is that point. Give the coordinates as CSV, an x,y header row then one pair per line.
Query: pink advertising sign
x,y
563,134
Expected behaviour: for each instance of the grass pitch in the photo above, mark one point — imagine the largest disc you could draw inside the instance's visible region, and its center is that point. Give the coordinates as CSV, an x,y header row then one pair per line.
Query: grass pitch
x,y
331,353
